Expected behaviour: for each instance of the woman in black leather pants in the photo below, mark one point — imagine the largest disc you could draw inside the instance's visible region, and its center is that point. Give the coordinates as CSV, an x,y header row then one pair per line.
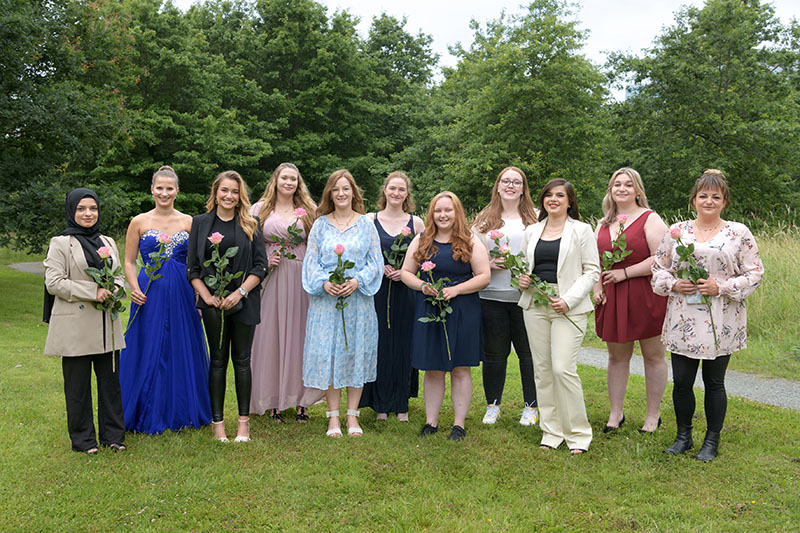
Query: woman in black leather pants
x,y
229,215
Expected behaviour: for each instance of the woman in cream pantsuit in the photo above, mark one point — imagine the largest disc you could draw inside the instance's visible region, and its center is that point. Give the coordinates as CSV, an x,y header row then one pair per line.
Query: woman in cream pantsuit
x,y
563,252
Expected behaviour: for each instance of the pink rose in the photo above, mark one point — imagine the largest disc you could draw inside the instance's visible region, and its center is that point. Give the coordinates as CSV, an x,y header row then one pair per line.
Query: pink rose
x,y
216,237
406,231
427,266
339,250
163,238
300,212
504,249
622,219
104,252
494,235
675,233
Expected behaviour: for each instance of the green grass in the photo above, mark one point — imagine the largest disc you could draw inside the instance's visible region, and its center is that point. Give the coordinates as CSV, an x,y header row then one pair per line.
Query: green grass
x,y
291,477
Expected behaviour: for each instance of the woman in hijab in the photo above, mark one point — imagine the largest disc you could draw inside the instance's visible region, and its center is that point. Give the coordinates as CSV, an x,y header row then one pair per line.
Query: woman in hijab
x,y
80,333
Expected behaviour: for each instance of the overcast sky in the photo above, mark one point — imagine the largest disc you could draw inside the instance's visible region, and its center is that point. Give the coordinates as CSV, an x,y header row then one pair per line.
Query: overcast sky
x,y
614,25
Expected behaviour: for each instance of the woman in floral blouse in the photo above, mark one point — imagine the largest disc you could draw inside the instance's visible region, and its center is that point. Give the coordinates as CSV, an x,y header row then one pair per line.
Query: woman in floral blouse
x,y
694,330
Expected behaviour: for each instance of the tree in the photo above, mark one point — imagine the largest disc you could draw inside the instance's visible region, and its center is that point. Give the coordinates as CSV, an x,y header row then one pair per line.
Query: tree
x,y
718,89
59,110
522,94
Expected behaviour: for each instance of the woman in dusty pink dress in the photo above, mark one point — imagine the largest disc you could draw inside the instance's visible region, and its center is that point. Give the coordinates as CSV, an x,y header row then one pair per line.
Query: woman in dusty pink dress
x,y
277,360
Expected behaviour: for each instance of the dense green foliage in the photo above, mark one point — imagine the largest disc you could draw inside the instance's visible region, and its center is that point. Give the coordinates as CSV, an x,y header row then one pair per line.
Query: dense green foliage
x,y
101,93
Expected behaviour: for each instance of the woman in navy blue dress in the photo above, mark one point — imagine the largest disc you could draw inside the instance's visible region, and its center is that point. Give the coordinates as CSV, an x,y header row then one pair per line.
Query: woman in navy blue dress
x,y
455,253
396,380
164,368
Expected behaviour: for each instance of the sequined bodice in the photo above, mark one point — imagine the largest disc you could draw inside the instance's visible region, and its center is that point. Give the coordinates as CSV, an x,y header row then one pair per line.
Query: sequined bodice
x,y
176,249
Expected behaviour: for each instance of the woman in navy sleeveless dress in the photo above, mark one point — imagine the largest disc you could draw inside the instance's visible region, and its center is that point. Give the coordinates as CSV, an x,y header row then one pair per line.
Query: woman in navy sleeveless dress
x,y
396,380
164,368
456,253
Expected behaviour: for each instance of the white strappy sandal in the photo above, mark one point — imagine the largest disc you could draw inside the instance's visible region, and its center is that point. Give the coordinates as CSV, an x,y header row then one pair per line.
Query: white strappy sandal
x,y
356,431
333,432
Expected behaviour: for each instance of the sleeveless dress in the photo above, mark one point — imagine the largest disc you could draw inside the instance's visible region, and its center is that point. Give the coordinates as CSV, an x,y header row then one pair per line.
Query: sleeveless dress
x,y
632,310
464,325
277,355
396,381
163,371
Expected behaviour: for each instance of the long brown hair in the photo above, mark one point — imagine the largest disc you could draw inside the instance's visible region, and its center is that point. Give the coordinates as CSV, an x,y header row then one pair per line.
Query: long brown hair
x,y
408,204
491,216
301,197
326,203
610,206
246,220
461,238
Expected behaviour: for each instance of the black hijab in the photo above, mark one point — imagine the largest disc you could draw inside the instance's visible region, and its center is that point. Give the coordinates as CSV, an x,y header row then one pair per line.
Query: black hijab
x,y
88,237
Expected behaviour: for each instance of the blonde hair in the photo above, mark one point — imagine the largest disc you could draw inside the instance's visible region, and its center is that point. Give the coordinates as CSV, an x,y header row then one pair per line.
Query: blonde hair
x,y
461,238
300,198
167,172
326,203
610,206
408,204
710,180
491,216
246,220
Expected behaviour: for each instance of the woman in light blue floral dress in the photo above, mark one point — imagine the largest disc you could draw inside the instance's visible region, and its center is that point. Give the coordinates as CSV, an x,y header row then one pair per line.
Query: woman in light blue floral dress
x,y
341,347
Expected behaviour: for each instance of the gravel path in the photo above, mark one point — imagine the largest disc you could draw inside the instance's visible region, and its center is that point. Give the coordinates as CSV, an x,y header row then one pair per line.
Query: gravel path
x,y
772,391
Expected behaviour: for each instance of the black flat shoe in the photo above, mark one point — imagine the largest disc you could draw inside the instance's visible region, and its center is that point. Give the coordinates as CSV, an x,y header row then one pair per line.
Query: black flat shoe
x,y
609,429
428,429
116,447
577,451
302,414
276,415
645,432
457,433
90,451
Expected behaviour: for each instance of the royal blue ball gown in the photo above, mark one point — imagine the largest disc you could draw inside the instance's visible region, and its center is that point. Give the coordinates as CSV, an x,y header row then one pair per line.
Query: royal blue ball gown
x,y
163,370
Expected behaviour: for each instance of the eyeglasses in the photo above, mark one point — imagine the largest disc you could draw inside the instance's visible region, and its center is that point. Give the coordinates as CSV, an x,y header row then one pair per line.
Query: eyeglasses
x,y
511,183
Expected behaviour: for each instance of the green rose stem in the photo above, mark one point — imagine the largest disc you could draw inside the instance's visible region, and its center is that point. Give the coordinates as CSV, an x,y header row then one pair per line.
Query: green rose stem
x,y
152,270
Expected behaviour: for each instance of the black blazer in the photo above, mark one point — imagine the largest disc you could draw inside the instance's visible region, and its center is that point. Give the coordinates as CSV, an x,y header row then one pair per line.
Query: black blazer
x,y
251,259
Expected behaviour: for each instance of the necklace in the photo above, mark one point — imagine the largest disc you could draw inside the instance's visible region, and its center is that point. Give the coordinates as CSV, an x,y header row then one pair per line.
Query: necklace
x,y
704,233
338,223
552,230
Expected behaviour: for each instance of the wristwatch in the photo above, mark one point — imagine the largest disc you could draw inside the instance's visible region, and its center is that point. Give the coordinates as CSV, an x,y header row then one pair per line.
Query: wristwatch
x,y
243,292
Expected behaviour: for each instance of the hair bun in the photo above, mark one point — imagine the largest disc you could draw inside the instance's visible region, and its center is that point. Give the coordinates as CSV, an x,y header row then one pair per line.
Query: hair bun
x,y
715,172
166,167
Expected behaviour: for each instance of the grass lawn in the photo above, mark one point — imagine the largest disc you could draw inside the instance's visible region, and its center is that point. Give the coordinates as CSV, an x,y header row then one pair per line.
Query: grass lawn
x,y
291,477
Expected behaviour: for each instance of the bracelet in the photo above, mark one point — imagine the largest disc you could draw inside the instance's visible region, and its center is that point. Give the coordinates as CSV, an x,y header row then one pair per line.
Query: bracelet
x,y
626,272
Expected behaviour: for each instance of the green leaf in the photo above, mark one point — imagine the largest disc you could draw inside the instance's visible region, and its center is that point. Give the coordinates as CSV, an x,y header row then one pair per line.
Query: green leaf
x,y
232,251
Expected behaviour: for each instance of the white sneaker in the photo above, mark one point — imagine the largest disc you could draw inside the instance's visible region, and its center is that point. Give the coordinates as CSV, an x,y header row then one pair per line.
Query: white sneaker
x,y
530,416
492,413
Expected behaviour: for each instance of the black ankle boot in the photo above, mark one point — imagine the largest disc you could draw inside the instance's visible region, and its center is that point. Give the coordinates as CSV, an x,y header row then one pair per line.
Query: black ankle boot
x,y
683,441
709,448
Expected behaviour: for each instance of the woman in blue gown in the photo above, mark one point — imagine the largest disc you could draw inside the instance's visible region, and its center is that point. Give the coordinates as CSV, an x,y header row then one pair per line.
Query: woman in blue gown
x,y
164,369
395,381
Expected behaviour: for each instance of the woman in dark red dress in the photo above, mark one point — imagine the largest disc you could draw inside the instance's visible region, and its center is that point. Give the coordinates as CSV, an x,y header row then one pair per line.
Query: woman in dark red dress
x,y
626,309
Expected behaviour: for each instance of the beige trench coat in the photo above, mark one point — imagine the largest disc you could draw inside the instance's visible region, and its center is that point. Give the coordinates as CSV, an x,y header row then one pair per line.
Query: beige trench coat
x,y
76,327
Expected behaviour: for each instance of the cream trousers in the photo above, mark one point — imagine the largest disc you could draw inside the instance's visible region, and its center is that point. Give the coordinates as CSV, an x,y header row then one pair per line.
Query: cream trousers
x,y
554,344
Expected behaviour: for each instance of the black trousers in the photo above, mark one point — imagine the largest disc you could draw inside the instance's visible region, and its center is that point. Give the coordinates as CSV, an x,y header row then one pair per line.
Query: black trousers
x,y
684,370
502,324
237,340
78,393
